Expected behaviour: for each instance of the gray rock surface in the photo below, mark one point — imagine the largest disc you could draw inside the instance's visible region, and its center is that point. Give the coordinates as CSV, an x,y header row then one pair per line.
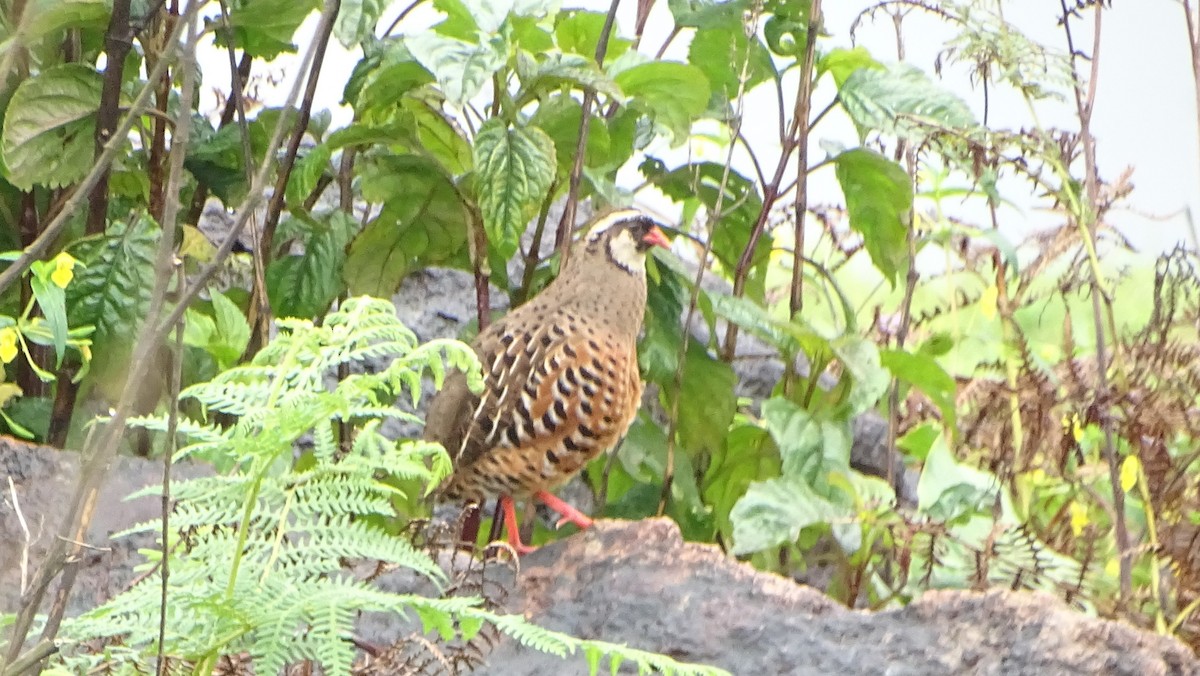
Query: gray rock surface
x,y
640,584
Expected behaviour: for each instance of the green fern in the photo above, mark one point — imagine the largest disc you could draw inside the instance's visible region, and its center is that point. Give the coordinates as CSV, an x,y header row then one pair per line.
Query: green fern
x,y
258,554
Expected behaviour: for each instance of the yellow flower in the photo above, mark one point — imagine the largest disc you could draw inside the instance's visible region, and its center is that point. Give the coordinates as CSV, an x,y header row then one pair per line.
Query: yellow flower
x,y
1130,469
1076,426
988,302
64,269
8,344
1079,518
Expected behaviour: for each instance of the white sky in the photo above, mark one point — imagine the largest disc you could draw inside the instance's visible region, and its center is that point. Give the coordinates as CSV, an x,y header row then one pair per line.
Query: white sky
x,y
1145,116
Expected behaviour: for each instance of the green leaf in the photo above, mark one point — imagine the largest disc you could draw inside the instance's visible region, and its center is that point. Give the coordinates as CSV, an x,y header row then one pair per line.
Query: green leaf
x,y
304,285
231,331
707,401
719,14
773,512
49,127
356,21
462,68
382,78
515,167
438,137
306,175
878,199
578,32
894,100
809,448
552,71
952,490
860,360
926,375
721,54
429,226
841,63
45,18
559,117
675,94
52,300
265,28
111,291
786,31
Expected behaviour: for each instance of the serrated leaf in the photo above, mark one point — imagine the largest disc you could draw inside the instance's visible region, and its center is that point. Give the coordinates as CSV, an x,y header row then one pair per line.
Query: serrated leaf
x,y
44,18
773,513
878,199
860,360
559,117
578,32
841,63
718,14
112,290
439,138
891,101
462,68
231,331
428,227
552,71
49,127
304,285
382,78
675,94
356,21
721,54
265,28
707,401
306,175
809,447
515,166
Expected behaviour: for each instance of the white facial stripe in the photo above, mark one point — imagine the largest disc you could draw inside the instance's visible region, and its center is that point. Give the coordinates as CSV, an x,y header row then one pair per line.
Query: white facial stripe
x,y
611,219
624,252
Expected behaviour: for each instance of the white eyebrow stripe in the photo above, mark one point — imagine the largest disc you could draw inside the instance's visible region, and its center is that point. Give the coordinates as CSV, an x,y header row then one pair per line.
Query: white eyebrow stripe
x,y
610,220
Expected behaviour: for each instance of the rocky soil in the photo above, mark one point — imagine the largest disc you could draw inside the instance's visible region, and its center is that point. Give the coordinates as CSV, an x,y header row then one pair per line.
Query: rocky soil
x,y
640,584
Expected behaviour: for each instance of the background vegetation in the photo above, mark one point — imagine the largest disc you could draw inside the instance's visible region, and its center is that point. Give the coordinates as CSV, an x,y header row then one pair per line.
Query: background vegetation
x,y
1040,396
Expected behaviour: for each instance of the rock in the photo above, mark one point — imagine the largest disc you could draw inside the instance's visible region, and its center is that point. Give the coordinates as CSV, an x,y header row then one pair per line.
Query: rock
x,y
638,583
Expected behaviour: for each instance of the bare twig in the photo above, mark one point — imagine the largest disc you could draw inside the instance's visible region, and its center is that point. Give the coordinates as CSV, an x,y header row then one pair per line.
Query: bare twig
x,y
563,238
1087,219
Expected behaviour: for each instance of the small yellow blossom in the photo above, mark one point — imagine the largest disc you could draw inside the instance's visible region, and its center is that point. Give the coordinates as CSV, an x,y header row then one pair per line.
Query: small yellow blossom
x,y
64,269
1079,518
987,302
8,344
1130,469
1076,426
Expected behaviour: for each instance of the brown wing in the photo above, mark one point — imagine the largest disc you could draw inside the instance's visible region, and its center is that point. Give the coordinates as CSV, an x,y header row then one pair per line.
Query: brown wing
x,y
553,399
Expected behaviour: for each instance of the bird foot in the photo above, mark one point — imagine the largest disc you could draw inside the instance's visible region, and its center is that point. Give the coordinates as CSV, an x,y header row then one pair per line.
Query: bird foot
x,y
568,513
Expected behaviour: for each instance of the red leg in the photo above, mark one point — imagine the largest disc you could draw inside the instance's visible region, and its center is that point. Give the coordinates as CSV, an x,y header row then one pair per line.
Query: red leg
x,y
510,526
569,514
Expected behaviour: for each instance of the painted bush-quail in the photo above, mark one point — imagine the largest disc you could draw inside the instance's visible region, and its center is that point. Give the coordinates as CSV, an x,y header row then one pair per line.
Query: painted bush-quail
x,y
561,382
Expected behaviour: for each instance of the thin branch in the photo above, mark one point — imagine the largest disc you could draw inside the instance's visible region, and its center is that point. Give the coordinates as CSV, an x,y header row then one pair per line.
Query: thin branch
x,y
562,239
118,40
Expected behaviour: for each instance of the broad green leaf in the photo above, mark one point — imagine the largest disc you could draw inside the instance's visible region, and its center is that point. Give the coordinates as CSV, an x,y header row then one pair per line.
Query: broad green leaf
x,y
515,166
675,94
809,447
231,331
773,512
895,100
356,21
878,199
841,63
722,54
306,174
304,285
49,127
382,78
559,117
950,488
45,18
860,360
491,14
707,401
753,318
719,14
439,137
428,227
111,291
540,76
746,455
658,351
578,32
265,28
786,30
926,375
462,68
